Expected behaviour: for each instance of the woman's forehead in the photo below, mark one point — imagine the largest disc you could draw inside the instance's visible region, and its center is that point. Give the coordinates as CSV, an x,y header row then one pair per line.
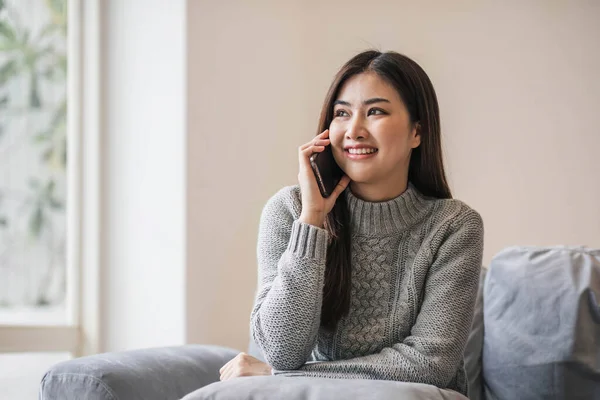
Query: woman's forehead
x,y
367,85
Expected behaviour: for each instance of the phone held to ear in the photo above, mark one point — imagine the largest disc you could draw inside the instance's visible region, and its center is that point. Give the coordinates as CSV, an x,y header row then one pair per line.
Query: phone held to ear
x,y
326,170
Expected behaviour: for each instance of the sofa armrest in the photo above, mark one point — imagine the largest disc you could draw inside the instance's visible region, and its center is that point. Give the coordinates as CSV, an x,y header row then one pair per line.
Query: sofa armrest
x,y
146,374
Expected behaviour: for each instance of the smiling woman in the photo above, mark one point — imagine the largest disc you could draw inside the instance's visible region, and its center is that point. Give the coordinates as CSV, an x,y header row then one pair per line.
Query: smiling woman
x,y
377,281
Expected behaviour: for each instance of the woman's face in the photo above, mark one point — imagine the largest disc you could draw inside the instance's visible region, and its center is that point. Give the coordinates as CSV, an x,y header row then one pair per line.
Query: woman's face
x,y
368,115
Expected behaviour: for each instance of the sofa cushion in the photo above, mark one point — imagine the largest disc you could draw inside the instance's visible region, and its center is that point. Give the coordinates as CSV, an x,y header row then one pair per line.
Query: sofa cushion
x,y
305,388
162,373
541,339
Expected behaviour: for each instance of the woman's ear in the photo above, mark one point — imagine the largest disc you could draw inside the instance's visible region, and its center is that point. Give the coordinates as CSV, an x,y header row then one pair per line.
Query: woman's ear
x,y
415,136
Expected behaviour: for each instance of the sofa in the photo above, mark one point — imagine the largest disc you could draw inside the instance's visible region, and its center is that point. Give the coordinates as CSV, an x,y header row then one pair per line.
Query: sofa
x,y
535,335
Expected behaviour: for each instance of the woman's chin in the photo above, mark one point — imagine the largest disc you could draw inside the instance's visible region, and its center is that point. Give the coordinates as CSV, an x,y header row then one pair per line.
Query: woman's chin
x,y
359,179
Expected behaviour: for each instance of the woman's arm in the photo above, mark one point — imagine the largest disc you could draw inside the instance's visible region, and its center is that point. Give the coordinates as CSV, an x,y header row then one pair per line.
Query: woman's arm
x,y
433,352
291,259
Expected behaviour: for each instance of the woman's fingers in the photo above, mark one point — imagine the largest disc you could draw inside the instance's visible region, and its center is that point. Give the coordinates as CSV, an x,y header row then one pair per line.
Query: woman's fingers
x,y
244,365
306,153
322,142
226,371
222,369
305,168
322,136
319,142
312,149
340,187
225,366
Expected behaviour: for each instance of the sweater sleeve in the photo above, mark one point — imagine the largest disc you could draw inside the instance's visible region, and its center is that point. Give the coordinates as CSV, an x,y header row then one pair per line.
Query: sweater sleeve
x,y
291,256
433,352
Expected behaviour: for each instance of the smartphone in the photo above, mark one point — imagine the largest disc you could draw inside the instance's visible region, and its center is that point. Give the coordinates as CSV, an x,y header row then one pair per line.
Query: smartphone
x,y
326,170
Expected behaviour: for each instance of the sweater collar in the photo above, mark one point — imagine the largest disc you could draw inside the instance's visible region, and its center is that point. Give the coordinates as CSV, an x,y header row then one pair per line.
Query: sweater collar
x,y
387,217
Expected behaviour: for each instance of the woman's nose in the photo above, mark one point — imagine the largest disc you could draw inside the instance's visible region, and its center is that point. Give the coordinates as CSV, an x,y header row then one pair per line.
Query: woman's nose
x,y
356,129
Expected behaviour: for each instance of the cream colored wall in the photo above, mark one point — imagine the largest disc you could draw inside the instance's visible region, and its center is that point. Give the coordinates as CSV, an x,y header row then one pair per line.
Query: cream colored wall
x,y
518,87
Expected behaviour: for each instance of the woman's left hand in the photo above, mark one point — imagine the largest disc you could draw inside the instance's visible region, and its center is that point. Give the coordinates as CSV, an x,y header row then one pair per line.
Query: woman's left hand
x,y
244,365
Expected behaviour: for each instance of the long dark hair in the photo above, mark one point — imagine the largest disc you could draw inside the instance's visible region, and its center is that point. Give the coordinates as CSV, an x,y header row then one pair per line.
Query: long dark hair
x,y
426,168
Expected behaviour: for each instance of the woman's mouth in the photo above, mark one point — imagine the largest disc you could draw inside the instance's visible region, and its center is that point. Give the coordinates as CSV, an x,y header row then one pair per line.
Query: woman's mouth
x,y
360,154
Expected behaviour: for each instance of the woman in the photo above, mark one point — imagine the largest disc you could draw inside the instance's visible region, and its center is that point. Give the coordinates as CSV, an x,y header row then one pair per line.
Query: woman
x,y
377,281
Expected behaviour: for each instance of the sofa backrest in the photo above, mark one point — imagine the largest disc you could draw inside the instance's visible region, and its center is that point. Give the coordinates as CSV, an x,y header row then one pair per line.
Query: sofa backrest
x,y
474,348
541,331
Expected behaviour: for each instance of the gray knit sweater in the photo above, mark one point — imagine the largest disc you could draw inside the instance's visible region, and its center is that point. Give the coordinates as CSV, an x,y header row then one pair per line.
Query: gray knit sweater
x,y
415,273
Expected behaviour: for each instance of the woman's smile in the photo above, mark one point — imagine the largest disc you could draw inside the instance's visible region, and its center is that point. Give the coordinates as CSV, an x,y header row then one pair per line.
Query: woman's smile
x,y
360,153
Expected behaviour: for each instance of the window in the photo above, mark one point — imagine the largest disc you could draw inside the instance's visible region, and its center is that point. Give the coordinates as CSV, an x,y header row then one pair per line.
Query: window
x,y
33,161
48,252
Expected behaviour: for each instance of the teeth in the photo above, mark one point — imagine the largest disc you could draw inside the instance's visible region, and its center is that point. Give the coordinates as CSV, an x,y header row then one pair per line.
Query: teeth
x,y
361,151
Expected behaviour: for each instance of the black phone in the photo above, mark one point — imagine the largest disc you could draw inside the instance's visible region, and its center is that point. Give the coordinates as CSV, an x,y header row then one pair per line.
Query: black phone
x,y
326,170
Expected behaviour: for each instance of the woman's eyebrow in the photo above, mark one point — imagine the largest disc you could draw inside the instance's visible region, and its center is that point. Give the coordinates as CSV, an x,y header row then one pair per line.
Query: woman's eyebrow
x,y
366,102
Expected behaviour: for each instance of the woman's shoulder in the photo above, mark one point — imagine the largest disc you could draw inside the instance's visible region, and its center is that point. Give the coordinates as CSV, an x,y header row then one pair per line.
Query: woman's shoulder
x,y
457,231
454,213
286,201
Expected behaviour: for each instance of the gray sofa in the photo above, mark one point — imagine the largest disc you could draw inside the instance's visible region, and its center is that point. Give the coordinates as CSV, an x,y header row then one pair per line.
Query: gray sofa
x,y
535,335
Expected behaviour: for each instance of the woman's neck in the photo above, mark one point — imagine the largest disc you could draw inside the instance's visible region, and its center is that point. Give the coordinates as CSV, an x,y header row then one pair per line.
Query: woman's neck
x,y
378,192
386,217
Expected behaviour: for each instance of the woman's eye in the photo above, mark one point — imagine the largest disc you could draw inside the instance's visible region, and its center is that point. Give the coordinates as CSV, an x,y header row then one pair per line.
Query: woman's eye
x,y
376,111
341,113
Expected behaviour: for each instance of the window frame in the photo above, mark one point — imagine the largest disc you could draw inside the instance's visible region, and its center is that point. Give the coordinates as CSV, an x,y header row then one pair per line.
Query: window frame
x,y
80,335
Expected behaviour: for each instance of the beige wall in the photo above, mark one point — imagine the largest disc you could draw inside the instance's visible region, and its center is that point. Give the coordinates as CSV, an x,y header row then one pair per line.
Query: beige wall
x,y
518,87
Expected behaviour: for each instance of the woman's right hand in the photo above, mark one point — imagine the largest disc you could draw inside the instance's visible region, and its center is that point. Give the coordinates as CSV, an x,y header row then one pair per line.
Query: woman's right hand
x,y
314,206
